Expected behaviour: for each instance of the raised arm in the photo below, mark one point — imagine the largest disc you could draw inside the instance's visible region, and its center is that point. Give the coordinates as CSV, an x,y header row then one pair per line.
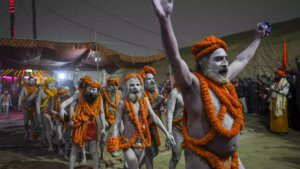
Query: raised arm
x,y
182,75
243,58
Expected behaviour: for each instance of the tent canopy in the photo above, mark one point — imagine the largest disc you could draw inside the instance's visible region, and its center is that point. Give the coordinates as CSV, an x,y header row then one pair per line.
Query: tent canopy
x,y
40,54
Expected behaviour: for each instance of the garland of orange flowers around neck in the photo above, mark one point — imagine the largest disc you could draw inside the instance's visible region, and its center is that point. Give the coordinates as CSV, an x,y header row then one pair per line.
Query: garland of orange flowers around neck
x,y
111,115
29,89
148,94
115,143
82,118
228,97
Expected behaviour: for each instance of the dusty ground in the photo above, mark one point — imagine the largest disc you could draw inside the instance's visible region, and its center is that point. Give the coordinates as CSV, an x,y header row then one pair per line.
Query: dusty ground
x,y
259,149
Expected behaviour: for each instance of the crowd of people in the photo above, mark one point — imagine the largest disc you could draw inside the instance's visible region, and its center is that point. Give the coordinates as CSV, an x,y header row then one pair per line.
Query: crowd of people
x,y
255,94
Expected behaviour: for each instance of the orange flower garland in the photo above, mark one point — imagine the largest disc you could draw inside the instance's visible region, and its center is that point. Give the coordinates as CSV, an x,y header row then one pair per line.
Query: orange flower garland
x,y
176,122
84,115
111,115
152,101
115,143
230,103
29,89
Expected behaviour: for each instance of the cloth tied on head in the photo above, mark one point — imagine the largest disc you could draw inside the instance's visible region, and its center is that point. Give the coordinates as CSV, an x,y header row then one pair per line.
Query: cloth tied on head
x,y
88,81
146,70
207,45
50,79
133,75
280,73
112,80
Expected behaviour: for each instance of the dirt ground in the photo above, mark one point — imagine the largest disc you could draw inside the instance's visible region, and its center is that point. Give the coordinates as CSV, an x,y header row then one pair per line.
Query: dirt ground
x,y
259,149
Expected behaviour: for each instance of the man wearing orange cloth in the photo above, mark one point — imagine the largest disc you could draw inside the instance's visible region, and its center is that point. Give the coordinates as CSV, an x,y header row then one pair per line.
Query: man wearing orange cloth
x,y
26,104
111,97
213,116
155,99
134,111
278,104
86,127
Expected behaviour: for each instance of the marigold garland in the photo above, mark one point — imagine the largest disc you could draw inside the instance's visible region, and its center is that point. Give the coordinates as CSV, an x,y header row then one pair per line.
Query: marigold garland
x,y
83,116
111,115
213,160
143,133
30,89
177,122
152,100
228,97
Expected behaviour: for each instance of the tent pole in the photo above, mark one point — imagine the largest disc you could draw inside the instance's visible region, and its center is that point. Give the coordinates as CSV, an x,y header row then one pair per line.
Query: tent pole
x,y
34,32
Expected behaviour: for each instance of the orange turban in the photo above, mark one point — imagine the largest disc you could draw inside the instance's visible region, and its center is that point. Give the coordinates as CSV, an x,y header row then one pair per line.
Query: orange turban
x,y
280,73
112,80
133,75
146,70
208,45
88,80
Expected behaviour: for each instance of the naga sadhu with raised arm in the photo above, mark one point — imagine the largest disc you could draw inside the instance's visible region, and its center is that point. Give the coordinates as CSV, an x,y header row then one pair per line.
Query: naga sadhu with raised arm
x,y
213,115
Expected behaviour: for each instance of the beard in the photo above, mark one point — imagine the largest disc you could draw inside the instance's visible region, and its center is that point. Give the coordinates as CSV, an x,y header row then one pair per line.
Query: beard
x,y
90,97
134,96
151,87
220,78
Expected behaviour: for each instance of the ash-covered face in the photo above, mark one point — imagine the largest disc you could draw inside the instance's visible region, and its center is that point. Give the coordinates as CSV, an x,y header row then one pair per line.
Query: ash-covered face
x,y
51,85
113,88
134,89
215,67
150,82
31,82
91,94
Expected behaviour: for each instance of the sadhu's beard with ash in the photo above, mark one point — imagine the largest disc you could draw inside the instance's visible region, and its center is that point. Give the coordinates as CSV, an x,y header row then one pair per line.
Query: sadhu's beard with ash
x,y
150,86
220,77
90,97
134,95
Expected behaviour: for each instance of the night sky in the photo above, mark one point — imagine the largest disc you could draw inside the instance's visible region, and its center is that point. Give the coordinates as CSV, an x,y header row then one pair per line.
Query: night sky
x,y
131,27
